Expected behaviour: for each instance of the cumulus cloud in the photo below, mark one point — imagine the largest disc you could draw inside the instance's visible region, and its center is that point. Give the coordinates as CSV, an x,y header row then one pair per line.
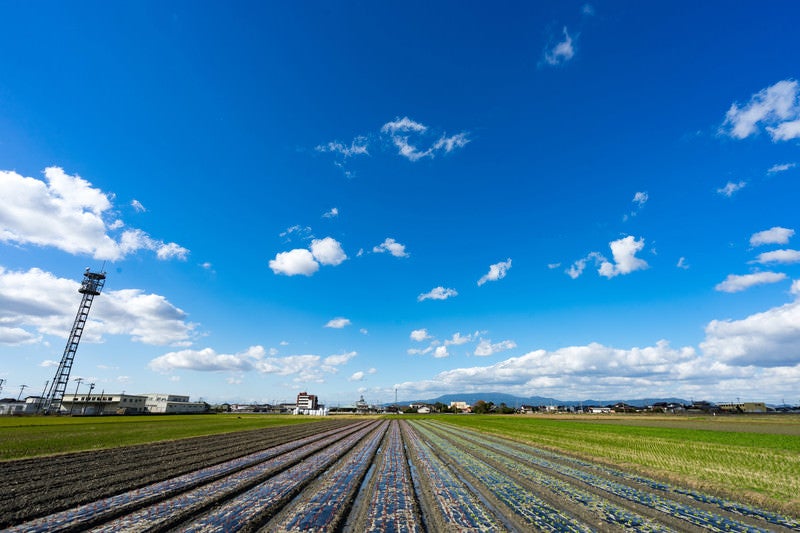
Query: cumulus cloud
x,y
765,339
496,271
328,251
333,213
737,283
731,188
420,335
338,323
294,262
774,235
561,52
779,256
437,293
440,352
38,301
303,368
775,107
753,357
392,246
575,371
300,261
625,261
486,348
66,212
357,376
17,336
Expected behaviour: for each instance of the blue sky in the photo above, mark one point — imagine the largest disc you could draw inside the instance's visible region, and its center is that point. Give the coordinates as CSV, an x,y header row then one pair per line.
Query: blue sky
x,y
575,200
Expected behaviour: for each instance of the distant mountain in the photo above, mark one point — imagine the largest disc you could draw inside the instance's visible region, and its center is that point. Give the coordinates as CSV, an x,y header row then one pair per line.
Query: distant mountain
x,y
515,401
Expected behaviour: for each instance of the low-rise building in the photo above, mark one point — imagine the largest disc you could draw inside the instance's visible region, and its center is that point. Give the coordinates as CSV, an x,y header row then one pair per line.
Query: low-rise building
x,y
173,403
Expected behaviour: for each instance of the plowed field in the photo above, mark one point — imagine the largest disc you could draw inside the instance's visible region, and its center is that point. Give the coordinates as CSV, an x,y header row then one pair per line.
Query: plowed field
x,y
353,476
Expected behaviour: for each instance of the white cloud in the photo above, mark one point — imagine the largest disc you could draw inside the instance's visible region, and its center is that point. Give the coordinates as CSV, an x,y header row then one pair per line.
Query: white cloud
x,y
448,144
576,269
338,323
561,52
420,335
207,360
300,231
730,188
358,146
328,251
17,336
333,213
339,359
437,293
763,339
363,331
391,246
625,261
440,352
774,235
496,271
781,168
640,198
35,300
795,289
682,263
294,262
457,339
486,348
401,130
66,212
779,256
357,376
776,107
736,283
303,368
137,206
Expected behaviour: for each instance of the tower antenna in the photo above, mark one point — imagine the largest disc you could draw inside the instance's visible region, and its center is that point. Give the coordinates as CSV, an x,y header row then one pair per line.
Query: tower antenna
x,y
92,286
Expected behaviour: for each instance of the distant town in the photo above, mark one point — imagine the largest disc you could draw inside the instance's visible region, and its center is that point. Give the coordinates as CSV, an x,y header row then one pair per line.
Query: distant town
x,y
102,404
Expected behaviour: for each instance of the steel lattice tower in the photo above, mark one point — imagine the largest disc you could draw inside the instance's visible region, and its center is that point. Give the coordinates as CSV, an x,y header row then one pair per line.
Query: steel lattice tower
x,y
92,285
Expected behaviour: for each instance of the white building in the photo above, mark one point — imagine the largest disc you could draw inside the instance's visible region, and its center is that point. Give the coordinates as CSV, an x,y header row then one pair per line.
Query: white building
x,y
29,406
172,403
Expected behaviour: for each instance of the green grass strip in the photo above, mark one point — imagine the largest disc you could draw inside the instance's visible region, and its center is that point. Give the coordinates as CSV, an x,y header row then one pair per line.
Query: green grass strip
x,y
23,437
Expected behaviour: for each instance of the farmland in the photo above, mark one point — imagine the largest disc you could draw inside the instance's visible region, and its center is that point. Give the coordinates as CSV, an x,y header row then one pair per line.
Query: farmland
x,y
417,474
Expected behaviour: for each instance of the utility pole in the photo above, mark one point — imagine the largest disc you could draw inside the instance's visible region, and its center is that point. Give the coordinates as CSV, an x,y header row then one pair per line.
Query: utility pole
x,y
21,388
1,384
75,398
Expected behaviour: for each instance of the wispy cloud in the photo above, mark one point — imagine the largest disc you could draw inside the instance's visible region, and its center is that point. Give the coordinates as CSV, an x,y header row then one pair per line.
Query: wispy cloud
x,y
731,188
333,213
407,134
485,347
560,52
781,168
